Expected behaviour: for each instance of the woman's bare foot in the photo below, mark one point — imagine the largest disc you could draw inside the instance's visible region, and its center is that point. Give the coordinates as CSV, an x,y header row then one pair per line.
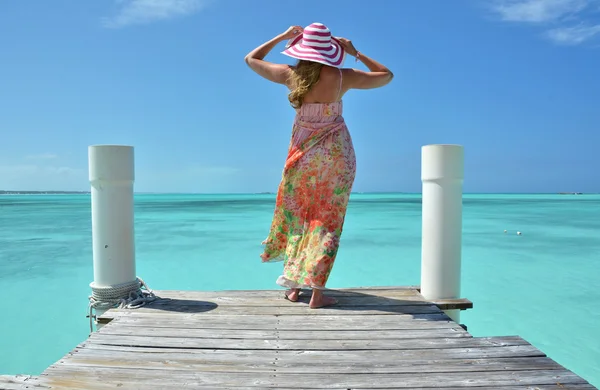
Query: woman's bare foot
x,y
292,294
318,300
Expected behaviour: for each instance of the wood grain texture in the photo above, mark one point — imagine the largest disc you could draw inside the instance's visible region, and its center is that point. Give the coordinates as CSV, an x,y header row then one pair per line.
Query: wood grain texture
x,y
283,322
384,338
14,382
453,304
276,334
295,345
347,356
158,378
167,307
276,363
235,321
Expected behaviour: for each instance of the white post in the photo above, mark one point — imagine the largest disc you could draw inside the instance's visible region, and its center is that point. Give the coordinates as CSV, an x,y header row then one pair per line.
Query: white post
x,y
442,173
111,174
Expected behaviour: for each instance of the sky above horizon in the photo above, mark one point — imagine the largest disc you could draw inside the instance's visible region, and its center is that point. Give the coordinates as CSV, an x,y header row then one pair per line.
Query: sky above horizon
x,y
513,81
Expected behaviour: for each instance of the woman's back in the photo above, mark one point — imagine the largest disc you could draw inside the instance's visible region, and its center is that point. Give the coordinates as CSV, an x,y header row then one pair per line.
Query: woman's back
x,y
328,89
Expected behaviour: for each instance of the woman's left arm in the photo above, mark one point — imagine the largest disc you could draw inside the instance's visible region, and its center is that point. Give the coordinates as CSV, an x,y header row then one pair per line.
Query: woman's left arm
x,y
278,73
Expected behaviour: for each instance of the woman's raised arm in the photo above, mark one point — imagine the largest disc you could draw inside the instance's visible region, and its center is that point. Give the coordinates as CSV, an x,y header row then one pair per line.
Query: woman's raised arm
x,y
378,74
277,73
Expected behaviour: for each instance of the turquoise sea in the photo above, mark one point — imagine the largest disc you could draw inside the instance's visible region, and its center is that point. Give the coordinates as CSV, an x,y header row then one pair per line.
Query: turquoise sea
x,y
542,285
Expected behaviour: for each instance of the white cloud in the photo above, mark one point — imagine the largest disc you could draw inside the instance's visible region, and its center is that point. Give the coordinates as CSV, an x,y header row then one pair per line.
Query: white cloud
x,y
34,177
34,169
146,11
194,178
43,156
573,35
563,19
538,11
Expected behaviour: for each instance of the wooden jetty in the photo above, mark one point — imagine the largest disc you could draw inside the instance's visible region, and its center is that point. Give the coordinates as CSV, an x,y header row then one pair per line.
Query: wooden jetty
x,y
375,338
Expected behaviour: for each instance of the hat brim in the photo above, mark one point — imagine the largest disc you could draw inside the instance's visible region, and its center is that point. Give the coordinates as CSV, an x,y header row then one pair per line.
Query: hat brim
x,y
333,55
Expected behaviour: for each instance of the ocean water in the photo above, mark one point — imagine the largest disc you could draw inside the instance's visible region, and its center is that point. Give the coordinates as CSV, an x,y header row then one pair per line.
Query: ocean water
x,y
541,285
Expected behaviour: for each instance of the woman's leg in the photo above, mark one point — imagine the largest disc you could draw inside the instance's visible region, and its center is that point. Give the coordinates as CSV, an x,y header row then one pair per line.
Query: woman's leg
x,y
319,300
292,294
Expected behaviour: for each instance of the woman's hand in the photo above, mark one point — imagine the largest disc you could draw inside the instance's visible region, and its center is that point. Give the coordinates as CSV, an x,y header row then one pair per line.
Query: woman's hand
x,y
291,32
348,46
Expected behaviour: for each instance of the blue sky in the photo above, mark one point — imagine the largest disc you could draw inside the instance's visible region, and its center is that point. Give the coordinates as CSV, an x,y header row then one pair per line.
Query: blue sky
x,y
514,81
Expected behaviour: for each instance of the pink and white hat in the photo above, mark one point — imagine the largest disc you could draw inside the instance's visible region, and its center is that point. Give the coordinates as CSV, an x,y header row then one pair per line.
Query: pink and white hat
x,y
316,44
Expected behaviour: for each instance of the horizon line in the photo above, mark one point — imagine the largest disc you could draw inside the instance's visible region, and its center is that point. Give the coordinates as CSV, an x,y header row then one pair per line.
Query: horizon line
x,y
69,192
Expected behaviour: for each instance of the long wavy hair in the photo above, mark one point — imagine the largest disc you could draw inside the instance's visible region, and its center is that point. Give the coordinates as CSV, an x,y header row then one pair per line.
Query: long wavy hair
x,y
303,76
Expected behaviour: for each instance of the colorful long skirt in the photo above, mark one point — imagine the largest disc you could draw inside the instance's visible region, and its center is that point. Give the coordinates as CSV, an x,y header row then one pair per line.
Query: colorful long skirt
x,y
312,197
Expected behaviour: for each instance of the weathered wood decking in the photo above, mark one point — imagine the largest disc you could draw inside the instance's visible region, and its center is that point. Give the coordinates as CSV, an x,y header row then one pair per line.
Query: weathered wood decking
x,y
383,338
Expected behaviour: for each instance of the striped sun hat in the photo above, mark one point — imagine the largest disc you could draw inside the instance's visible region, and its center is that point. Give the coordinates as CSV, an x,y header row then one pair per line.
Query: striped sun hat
x,y
316,44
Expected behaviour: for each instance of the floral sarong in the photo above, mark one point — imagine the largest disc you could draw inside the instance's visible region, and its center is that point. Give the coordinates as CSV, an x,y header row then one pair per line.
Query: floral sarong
x,y
312,197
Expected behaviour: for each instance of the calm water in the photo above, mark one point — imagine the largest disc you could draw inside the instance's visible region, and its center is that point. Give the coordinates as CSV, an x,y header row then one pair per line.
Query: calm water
x,y
542,285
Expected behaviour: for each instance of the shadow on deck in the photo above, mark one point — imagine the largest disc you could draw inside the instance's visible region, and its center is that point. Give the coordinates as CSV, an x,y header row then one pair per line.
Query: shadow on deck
x,y
384,338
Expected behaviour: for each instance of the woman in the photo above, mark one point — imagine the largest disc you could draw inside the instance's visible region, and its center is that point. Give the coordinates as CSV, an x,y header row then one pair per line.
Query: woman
x,y
320,168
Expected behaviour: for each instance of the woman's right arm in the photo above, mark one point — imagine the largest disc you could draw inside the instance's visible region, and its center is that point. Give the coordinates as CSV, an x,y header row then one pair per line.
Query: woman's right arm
x,y
378,74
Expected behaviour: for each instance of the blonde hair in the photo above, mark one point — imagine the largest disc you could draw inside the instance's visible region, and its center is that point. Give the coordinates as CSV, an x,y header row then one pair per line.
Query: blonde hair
x,y
302,77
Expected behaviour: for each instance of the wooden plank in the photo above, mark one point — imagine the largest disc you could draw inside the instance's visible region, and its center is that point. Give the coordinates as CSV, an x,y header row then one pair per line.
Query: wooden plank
x,y
88,385
552,386
281,365
383,304
159,379
299,345
452,304
359,297
348,356
348,302
164,307
332,317
95,385
13,382
251,322
354,297
298,334
344,300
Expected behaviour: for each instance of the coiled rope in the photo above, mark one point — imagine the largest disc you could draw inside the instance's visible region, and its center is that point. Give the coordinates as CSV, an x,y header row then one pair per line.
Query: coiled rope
x,y
130,295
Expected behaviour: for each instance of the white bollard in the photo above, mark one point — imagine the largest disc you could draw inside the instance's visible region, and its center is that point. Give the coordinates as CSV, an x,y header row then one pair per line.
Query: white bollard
x,y
442,173
111,174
